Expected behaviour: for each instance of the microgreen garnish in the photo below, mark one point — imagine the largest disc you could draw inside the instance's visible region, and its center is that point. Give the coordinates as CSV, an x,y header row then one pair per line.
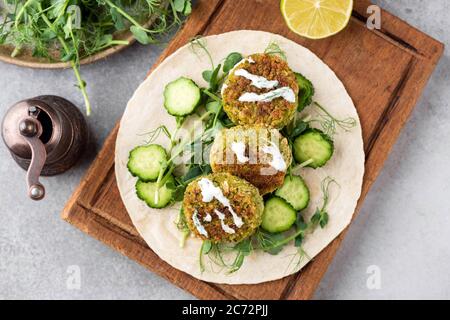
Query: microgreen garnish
x,y
182,227
211,76
268,241
198,44
243,249
204,250
330,124
155,133
213,99
212,96
231,60
274,49
320,217
214,106
68,31
300,225
216,253
296,166
196,170
294,129
182,6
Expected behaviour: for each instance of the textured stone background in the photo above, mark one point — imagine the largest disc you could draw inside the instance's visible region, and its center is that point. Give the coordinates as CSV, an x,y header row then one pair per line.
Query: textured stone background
x,y
402,228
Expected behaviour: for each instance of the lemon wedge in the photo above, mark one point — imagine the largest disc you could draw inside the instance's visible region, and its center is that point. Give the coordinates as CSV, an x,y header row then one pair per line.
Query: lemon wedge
x,y
316,19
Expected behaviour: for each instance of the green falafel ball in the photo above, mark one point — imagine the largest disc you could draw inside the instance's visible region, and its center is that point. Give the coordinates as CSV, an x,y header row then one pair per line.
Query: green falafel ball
x,y
257,154
222,208
275,113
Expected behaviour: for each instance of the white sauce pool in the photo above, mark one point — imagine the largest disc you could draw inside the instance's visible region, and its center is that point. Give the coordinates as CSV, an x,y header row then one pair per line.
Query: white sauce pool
x,y
225,227
277,161
257,81
239,150
211,192
283,92
198,224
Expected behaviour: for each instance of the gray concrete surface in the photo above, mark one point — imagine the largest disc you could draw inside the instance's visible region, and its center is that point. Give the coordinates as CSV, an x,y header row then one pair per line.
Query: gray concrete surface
x,y
402,233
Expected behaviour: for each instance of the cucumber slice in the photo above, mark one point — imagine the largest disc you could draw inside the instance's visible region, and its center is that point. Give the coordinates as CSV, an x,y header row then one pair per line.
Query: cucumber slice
x,y
306,91
145,162
315,145
295,191
278,215
146,191
181,97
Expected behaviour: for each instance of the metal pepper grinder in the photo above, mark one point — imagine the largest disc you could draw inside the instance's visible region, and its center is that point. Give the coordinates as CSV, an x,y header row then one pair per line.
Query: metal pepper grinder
x,y
46,135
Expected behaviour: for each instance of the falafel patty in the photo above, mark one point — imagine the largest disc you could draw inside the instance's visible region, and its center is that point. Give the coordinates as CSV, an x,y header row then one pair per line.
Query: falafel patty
x,y
257,154
222,208
261,90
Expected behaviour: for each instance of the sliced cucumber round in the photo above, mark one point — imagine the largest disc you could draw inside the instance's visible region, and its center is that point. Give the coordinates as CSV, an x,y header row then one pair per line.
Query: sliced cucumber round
x,y
181,97
278,215
315,146
295,191
153,196
146,162
306,91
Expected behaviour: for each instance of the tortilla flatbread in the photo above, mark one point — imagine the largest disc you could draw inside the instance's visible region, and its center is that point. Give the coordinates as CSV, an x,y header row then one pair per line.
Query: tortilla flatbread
x,y
145,112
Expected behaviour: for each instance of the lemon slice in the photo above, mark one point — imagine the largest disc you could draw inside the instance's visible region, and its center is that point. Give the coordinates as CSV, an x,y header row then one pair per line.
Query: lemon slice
x,y
316,19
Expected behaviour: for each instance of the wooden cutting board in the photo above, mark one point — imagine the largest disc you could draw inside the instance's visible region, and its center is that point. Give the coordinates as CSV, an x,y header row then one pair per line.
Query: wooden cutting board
x,y
384,71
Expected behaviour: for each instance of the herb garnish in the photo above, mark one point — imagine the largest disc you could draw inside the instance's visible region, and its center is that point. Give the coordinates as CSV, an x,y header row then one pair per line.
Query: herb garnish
x,y
204,250
182,227
70,30
274,49
216,251
213,100
154,134
329,123
231,60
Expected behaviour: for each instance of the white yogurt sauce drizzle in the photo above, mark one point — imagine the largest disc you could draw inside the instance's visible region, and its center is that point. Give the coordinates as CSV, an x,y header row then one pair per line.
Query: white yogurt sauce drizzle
x,y
239,150
249,60
211,192
257,81
198,224
207,218
225,227
277,161
284,92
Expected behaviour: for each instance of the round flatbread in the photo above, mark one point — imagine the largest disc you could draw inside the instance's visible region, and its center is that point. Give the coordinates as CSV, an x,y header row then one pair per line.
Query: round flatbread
x,y
145,112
